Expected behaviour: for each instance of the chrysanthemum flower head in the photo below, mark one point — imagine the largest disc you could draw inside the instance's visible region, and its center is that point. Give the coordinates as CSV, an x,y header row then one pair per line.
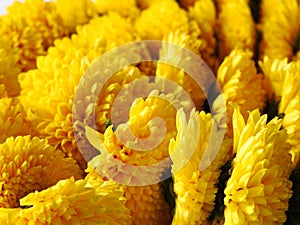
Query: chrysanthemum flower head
x,y
125,156
151,124
240,85
143,127
285,82
13,119
72,202
236,27
259,188
29,164
280,18
160,19
26,33
196,166
35,31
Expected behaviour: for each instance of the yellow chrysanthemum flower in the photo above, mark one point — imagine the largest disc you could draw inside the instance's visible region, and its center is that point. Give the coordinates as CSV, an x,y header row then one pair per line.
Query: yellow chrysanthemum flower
x,y
241,85
196,166
143,140
285,81
129,144
30,28
236,27
283,19
29,164
161,18
71,202
13,119
259,188
204,13
42,93
33,31
125,8
143,126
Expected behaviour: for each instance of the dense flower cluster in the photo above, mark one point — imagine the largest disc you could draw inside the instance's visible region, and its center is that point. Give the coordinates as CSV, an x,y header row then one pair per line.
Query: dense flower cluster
x,y
149,145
